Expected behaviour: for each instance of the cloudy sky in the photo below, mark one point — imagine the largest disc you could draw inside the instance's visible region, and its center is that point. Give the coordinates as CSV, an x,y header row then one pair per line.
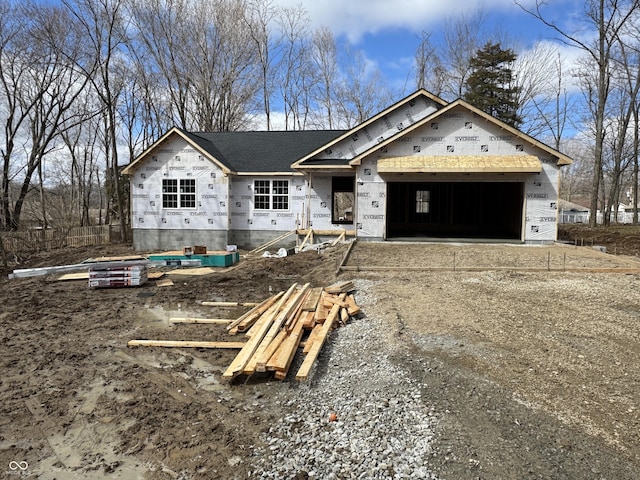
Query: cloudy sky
x,y
388,30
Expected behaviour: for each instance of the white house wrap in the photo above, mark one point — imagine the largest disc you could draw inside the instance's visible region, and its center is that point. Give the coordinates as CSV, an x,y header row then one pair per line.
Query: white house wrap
x,y
421,168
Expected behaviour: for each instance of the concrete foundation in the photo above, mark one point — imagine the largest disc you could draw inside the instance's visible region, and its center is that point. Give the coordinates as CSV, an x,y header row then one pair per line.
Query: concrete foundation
x,y
151,239
250,239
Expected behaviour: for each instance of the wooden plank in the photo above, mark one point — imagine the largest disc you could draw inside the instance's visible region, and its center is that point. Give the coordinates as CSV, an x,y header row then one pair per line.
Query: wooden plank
x,y
282,360
340,287
184,343
252,315
253,366
278,323
309,360
344,316
335,300
353,309
215,321
259,330
340,237
312,300
288,324
272,242
312,337
165,282
350,233
74,276
309,320
309,235
230,304
321,311
194,271
346,255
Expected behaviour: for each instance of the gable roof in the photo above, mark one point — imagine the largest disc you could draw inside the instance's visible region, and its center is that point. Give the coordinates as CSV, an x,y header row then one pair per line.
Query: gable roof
x,y
249,152
304,161
265,151
562,158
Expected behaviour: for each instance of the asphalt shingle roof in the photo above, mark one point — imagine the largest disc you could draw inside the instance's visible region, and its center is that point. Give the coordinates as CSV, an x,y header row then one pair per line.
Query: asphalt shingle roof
x,y
263,151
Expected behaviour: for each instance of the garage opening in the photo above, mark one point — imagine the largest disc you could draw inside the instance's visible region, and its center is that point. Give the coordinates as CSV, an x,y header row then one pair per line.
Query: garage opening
x,y
476,210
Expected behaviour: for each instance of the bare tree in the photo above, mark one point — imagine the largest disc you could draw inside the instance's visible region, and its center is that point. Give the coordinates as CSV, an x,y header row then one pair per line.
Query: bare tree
x,y
105,34
160,49
205,57
296,76
543,98
262,14
15,65
462,40
607,18
45,90
361,95
325,57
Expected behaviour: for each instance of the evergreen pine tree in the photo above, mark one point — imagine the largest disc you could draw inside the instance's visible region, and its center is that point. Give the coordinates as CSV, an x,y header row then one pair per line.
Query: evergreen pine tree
x,y
490,86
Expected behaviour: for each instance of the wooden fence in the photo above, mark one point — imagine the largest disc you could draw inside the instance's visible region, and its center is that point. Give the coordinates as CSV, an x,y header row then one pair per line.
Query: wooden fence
x,y
43,240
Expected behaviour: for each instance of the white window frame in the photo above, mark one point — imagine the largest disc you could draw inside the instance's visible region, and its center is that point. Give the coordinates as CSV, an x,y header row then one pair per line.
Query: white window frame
x,y
182,193
271,195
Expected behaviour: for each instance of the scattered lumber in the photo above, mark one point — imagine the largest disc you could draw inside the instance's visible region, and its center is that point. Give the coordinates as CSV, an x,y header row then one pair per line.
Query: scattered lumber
x,y
340,287
229,304
301,316
184,343
218,321
297,321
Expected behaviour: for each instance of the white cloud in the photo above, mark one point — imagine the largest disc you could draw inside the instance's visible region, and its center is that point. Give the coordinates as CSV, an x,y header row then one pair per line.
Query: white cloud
x,y
354,18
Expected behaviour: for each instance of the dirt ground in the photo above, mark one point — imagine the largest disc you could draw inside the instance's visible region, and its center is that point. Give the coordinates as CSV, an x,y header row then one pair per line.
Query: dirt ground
x,y
531,356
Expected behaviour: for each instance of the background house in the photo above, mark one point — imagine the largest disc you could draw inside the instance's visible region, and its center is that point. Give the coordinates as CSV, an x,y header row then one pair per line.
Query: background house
x,y
572,212
420,168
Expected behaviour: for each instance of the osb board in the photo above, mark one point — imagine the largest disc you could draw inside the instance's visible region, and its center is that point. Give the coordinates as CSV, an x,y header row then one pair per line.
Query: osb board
x,y
461,163
193,271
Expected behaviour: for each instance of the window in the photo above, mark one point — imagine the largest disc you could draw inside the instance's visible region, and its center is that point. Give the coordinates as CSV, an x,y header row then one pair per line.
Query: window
x,y
422,201
342,193
179,193
271,194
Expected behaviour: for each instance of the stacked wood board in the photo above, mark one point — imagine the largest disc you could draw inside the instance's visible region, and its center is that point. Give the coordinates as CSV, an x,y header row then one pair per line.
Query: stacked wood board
x,y
277,327
125,274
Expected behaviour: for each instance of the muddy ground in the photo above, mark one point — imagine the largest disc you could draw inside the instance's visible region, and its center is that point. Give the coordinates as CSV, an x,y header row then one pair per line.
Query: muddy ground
x,y
530,356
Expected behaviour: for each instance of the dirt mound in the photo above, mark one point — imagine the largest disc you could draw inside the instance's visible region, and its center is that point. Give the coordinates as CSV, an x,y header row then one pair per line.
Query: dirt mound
x,y
618,239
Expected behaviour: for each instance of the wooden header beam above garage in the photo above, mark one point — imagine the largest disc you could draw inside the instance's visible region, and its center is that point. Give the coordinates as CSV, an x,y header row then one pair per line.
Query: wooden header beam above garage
x,y
461,164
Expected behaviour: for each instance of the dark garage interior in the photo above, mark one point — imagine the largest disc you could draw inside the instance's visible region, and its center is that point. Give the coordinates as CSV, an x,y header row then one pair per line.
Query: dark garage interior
x,y
474,210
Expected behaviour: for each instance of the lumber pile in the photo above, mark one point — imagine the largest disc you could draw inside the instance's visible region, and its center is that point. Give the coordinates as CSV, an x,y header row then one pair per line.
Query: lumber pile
x,y
299,319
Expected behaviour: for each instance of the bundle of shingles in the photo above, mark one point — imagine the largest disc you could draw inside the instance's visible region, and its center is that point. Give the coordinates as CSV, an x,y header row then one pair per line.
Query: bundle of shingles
x,y
280,325
114,274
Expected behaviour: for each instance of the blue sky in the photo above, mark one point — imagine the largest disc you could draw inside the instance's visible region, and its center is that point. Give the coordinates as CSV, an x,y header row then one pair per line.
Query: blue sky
x,y
388,31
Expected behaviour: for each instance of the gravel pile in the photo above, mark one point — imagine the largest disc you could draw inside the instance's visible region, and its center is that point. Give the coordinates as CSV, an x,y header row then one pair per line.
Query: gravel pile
x,y
358,417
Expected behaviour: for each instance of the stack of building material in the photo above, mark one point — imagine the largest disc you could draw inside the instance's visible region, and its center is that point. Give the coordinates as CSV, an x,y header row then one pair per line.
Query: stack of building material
x,y
278,326
125,274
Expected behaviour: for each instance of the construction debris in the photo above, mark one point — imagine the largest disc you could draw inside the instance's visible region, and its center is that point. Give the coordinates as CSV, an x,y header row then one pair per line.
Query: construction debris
x,y
299,319
84,266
